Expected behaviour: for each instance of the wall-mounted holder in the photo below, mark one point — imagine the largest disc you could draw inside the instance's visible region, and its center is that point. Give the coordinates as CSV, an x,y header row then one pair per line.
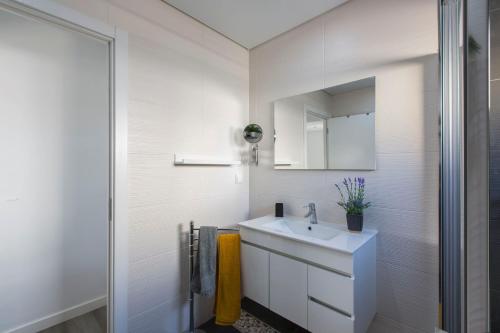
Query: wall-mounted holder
x,y
255,151
182,159
252,134
282,164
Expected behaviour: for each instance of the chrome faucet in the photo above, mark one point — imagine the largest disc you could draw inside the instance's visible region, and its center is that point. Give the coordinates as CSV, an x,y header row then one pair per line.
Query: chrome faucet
x,y
311,213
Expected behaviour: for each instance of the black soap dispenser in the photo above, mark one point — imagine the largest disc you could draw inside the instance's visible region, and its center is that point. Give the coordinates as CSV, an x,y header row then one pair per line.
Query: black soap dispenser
x,y
279,209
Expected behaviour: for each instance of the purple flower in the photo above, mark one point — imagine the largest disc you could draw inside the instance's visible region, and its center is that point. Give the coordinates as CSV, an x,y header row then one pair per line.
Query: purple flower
x,y
352,195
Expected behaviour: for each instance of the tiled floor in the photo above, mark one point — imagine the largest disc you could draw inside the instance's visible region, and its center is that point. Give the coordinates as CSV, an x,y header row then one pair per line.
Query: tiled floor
x,y
259,320
211,327
247,324
94,322
250,324
280,324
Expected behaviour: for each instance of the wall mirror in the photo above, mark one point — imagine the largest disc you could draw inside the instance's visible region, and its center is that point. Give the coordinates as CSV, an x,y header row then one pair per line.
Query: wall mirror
x,y
332,128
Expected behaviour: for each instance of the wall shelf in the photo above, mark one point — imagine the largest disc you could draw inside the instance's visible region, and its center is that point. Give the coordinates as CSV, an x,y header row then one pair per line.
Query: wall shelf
x,y
182,159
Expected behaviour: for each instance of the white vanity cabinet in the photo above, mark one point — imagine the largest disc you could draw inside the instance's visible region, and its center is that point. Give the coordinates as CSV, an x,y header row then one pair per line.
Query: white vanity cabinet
x,y
318,287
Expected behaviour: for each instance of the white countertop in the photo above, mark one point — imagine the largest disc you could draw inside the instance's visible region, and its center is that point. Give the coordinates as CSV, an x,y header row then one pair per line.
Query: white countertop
x,y
345,241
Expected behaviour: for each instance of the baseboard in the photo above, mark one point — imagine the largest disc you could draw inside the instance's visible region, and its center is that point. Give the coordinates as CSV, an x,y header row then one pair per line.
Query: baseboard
x,y
59,317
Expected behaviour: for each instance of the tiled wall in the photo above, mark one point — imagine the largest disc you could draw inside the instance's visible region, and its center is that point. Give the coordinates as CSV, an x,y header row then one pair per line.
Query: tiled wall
x,y
495,166
397,42
188,93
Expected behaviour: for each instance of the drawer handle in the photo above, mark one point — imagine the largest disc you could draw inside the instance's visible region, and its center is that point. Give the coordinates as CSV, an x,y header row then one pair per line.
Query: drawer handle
x,y
317,301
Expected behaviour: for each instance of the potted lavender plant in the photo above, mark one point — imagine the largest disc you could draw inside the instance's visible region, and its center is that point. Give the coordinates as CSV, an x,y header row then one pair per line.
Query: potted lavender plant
x,y
352,195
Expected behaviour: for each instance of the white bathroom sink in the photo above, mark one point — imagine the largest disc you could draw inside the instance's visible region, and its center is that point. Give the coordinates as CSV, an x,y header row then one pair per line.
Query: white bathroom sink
x,y
303,228
333,236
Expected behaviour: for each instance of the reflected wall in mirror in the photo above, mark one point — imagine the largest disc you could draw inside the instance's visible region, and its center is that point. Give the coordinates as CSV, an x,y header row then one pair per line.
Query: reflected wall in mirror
x,y
332,128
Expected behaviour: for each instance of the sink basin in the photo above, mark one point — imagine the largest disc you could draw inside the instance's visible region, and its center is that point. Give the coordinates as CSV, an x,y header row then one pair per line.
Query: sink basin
x,y
302,228
269,231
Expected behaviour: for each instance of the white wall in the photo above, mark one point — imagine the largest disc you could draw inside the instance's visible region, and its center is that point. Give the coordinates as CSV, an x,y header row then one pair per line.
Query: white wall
x,y
397,42
188,93
54,140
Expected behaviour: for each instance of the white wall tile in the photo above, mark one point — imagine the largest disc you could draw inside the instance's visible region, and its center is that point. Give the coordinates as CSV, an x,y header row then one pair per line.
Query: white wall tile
x,y
406,224
406,181
94,8
155,129
155,180
395,41
164,15
290,64
382,324
157,279
225,47
167,71
407,97
364,34
169,317
414,254
158,229
407,296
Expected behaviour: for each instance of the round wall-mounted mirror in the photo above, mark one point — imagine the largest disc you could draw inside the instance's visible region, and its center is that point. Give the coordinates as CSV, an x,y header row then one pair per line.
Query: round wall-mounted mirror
x,y
253,134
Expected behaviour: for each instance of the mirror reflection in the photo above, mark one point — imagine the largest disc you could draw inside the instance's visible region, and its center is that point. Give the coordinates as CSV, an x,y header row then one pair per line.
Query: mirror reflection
x,y
332,128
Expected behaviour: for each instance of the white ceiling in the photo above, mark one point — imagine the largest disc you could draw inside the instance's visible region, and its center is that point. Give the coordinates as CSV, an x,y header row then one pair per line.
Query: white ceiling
x,y
252,22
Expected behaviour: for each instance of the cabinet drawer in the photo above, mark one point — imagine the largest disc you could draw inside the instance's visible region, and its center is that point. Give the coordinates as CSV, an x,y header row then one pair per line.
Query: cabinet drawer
x,y
331,288
321,319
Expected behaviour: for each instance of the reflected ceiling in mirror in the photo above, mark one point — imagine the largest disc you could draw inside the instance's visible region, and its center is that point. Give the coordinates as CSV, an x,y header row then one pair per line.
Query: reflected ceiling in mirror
x,y
332,128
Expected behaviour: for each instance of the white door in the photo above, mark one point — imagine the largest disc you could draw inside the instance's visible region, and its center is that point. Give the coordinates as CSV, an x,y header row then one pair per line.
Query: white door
x,y
288,289
54,179
255,274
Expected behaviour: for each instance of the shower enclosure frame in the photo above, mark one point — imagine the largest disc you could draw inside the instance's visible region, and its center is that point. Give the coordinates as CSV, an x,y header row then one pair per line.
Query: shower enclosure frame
x,y
117,40
464,210
451,168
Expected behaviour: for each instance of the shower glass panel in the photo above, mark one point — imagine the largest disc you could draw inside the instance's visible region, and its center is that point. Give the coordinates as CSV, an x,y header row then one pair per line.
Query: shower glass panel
x,y
494,167
54,184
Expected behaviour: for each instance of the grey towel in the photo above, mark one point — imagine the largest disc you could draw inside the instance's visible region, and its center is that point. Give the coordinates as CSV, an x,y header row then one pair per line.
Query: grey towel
x,y
203,279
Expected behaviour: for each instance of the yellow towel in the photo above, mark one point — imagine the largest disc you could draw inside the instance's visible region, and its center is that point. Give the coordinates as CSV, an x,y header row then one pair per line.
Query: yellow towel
x,y
227,294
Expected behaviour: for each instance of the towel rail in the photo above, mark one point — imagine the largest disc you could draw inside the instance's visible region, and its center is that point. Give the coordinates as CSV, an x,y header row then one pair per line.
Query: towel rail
x,y
192,250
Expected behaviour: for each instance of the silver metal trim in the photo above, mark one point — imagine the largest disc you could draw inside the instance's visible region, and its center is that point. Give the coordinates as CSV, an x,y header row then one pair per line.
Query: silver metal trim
x,y
24,10
192,250
317,301
332,270
451,172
